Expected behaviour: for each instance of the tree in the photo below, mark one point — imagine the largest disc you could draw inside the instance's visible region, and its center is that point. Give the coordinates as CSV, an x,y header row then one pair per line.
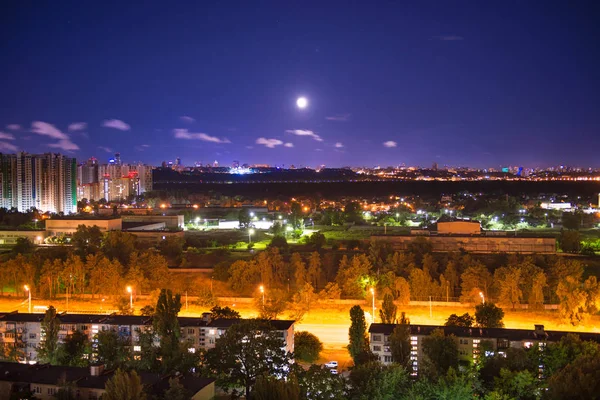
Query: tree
x,y
23,246
244,218
271,388
518,385
86,240
176,391
247,350
402,291
111,349
558,355
105,275
172,248
375,381
48,349
357,334
298,268
577,380
475,279
464,320
75,350
124,386
570,241
119,245
318,383
166,326
147,311
400,344
307,346
577,301
388,310
314,269
317,240
353,276
280,242
224,313
441,353
489,316
509,282
536,294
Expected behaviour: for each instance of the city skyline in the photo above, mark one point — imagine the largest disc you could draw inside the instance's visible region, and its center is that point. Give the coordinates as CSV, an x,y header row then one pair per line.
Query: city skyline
x,y
389,85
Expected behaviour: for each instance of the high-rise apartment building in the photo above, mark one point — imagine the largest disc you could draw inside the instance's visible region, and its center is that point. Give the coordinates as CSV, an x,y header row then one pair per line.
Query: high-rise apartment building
x,y
47,182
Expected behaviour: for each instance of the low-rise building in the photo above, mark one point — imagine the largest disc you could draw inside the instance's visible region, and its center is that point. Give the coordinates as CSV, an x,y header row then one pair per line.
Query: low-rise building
x,y
470,341
24,331
68,226
44,382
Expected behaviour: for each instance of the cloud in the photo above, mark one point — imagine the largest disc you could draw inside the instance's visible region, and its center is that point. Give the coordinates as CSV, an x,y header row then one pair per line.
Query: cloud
x,y
249,147
318,149
339,117
448,38
13,127
65,145
390,144
116,124
7,136
302,132
142,147
187,119
46,129
8,147
77,126
339,145
184,134
289,145
270,143
106,149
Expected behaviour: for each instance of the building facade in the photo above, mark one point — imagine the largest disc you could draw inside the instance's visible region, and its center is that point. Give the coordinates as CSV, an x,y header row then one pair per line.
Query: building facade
x,y
47,182
470,341
22,332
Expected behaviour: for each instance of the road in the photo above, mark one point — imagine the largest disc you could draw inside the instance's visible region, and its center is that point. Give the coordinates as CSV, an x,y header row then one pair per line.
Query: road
x,y
330,334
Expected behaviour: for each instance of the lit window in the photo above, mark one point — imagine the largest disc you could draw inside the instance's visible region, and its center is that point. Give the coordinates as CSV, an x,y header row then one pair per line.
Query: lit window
x,y
192,350
211,332
527,344
137,348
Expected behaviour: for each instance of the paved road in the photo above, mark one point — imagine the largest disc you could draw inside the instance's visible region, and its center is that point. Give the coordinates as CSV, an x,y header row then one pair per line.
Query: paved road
x,y
329,334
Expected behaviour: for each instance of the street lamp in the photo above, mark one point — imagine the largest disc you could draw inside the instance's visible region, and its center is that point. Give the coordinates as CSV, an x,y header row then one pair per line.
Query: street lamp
x,y
262,291
250,233
482,297
130,291
373,295
29,292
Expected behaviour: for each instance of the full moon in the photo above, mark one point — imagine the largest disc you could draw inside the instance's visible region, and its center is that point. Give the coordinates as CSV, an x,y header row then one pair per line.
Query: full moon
x,y
302,102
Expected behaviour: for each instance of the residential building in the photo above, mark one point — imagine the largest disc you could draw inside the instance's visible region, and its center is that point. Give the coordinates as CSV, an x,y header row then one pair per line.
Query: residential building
x,y
470,341
24,331
44,381
44,181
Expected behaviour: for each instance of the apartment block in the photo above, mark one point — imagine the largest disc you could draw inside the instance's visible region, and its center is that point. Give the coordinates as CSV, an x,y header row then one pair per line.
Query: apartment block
x,y
470,341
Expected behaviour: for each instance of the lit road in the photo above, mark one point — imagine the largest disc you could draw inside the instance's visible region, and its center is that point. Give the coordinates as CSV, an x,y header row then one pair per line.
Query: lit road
x,y
329,334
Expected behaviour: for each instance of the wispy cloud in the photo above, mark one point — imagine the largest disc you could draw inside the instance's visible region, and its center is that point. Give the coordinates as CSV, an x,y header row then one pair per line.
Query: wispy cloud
x,y
390,144
142,147
338,117
187,119
270,143
185,134
339,145
106,149
13,127
448,38
303,132
318,149
77,126
289,145
7,136
116,124
46,129
4,146
65,145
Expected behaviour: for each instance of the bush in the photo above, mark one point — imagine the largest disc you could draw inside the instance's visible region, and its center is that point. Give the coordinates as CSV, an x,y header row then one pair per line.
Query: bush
x,y
307,346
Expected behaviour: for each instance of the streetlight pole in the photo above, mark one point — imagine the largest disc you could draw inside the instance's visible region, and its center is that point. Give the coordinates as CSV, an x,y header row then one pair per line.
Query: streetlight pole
x,y
29,292
482,297
130,291
250,233
373,297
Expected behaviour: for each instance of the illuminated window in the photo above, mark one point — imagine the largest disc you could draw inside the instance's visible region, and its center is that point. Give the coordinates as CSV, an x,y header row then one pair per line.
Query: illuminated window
x,y
137,348
527,344
192,350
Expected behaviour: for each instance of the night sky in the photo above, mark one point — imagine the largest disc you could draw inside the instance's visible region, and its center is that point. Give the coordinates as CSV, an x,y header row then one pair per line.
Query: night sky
x,y
482,84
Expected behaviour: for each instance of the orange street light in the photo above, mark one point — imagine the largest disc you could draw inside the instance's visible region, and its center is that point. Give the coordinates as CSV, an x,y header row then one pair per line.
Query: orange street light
x,y
130,291
29,292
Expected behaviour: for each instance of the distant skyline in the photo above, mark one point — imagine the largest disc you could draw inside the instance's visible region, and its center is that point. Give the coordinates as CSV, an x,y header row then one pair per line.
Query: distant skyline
x,y
465,84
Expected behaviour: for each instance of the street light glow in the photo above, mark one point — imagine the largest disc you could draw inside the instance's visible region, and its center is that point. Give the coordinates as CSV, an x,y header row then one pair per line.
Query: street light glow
x,y
26,287
129,290
261,288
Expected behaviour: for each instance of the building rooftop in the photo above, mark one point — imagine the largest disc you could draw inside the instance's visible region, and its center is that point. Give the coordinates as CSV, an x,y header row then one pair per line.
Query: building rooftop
x,y
482,333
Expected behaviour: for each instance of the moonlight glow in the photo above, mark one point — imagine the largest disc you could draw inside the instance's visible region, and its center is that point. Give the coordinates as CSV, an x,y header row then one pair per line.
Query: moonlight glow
x,y
302,102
